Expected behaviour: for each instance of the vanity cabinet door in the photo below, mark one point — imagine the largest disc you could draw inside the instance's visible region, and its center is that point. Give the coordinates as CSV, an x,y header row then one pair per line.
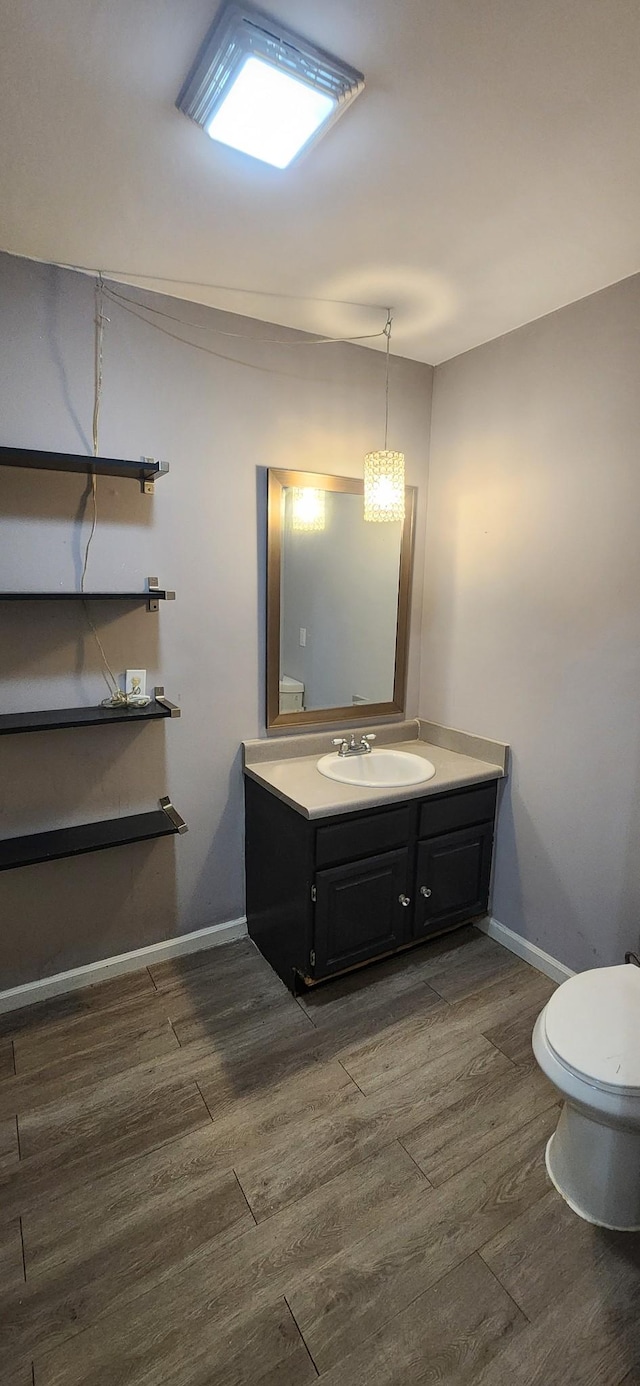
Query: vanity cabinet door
x,y
452,878
359,911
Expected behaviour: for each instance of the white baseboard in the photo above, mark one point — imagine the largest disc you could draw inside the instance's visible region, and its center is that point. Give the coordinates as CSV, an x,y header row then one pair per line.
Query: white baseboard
x,y
529,951
92,973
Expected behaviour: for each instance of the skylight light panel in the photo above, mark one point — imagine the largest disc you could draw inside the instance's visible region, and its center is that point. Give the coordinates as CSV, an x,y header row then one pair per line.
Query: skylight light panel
x,y
269,114
262,89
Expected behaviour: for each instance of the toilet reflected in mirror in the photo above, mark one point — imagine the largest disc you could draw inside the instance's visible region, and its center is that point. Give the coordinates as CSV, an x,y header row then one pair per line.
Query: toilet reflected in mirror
x,y
291,694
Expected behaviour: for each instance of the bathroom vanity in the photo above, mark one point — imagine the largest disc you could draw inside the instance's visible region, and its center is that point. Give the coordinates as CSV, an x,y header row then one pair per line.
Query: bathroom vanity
x,y
338,875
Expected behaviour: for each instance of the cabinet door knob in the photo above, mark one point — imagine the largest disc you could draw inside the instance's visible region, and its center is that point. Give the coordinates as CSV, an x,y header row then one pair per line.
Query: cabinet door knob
x,y
424,890
405,900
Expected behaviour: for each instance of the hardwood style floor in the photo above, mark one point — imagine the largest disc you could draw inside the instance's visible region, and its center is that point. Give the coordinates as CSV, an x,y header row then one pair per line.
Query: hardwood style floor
x,y
206,1182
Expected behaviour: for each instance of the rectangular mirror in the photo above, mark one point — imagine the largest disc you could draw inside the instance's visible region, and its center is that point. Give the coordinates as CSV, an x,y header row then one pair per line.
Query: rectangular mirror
x,y
338,596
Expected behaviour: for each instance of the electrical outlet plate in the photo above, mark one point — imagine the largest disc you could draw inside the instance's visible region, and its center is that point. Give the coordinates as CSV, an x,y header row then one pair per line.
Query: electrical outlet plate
x,y
136,682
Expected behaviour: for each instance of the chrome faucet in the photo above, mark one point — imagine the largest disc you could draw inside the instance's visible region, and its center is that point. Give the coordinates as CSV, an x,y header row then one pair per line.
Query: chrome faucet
x,y
353,747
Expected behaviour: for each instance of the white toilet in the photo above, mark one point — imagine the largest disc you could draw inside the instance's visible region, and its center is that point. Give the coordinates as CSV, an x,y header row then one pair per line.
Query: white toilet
x,y
587,1041
291,694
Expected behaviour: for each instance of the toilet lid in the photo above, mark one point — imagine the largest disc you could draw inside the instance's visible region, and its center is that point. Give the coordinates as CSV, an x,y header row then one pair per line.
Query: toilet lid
x,y
592,1024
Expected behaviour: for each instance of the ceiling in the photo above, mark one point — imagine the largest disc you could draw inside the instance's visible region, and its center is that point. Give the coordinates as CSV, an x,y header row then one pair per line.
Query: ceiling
x,y
488,174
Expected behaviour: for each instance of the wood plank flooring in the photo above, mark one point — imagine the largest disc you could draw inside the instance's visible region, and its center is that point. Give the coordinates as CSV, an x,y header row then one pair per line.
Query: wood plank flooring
x,y
208,1182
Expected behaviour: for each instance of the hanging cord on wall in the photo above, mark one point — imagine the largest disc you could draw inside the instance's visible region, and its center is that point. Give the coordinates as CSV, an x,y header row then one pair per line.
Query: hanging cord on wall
x,y
140,310
116,697
243,336
132,276
97,402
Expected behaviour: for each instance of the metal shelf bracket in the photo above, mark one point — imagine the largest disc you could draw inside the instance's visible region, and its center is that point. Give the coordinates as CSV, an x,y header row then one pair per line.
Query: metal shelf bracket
x,y
147,484
173,709
172,813
154,585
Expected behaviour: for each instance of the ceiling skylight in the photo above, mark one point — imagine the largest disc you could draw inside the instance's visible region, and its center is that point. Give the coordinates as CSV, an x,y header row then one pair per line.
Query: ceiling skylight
x,y
269,114
261,89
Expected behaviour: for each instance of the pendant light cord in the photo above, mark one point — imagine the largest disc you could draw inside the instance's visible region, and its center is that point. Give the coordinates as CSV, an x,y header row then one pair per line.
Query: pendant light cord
x,y
387,333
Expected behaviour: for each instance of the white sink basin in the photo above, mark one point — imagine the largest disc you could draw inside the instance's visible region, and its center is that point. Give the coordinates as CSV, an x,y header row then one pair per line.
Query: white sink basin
x,y
383,769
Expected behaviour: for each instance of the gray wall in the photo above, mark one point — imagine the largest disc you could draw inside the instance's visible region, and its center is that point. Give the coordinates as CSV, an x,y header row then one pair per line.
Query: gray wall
x,y
532,610
220,424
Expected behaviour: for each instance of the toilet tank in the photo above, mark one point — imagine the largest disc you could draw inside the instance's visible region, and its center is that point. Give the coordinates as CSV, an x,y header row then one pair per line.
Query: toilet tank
x,y
291,694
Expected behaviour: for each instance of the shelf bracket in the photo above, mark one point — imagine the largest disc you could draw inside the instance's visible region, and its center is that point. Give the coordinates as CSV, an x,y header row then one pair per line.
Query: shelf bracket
x,y
173,709
172,813
147,484
154,585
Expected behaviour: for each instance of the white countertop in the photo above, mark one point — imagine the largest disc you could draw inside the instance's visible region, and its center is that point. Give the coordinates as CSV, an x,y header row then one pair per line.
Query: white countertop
x,y
298,782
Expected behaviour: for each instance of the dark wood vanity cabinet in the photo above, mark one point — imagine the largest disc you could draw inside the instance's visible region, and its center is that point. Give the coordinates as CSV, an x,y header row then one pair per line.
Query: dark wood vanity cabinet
x,y
359,911
452,877
325,895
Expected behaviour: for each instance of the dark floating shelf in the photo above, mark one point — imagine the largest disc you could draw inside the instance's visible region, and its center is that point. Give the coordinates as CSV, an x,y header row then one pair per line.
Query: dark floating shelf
x,y
146,472
151,598
60,718
164,821
157,595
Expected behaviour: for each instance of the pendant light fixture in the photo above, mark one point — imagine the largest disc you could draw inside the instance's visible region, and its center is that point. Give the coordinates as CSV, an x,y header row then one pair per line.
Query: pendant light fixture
x,y
384,471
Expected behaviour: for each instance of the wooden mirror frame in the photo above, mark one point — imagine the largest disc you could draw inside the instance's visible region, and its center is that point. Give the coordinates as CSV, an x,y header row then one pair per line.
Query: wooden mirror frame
x,y
277,482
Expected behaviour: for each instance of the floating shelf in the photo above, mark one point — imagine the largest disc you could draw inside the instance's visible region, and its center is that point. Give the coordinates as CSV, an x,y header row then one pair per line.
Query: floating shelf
x,y
159,595
151,598
63,717
145,472
164,821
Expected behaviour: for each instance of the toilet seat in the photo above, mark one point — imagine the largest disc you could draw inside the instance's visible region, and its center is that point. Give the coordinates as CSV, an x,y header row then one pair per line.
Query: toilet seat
x,y
592,1026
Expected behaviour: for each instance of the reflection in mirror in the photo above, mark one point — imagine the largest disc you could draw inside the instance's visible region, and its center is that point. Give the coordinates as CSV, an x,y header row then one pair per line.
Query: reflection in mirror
x,y
338,602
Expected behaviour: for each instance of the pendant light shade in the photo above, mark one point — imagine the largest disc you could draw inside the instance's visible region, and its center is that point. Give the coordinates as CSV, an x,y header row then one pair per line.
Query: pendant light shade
x,y
384,470
384,486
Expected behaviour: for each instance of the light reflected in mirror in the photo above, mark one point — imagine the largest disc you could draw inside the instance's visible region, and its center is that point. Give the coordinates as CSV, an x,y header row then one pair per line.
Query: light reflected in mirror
x,y
305,509
338,595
